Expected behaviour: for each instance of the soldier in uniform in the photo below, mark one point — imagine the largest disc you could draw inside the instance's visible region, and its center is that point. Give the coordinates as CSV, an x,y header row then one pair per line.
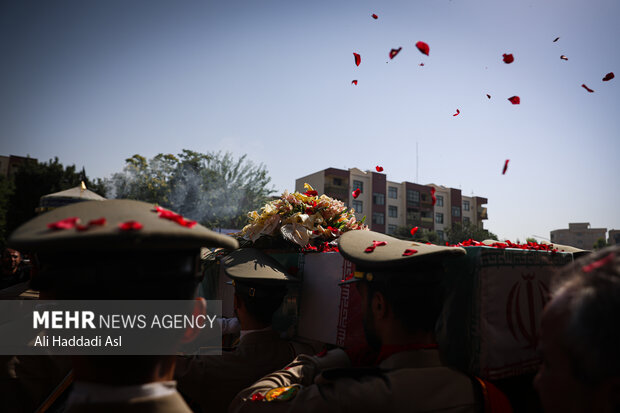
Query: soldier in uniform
x,y
400,283
118,250
211,382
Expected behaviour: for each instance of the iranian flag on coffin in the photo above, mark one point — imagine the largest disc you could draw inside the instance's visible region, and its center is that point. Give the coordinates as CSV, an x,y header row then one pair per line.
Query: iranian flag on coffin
x,y
317,309
491,321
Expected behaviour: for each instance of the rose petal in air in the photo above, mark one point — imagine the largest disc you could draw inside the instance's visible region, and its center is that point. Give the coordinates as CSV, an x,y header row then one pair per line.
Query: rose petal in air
x,y
414,230
457,113
608,76
505,166
354,82
508,58
556,39
358,59
421,64
489,96
587,88
563,57
515,100
423,48
394,52
356,193
374,16
379,168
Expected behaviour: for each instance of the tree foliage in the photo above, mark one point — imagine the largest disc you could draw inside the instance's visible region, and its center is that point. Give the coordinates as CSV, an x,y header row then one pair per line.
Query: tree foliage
x,y
213,188
459,233
33,180
600,243
422,235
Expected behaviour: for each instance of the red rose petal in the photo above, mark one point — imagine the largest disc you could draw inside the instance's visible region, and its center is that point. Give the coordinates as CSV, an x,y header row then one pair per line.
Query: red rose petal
x,y
374,16
508,58
457,113
608,76
257,397
505,166
409,252
369,249
311,193
354,82
423,48
358,59
489,96
378,243
130,226
421,64
80,227
414,230
394,52
356,193
434,198
433,190
379,168
66,223
556,39
515,100
563,57
587,88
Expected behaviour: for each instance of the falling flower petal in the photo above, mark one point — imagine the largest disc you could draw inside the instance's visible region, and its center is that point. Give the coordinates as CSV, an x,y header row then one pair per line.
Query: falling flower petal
x,y
423,48
508,58
66,223
414,230
130,226
556,39
394,52
374,16
505,167
409,252
489,96
457,113
587,88
433,190
379,168
354,82
515,100
358,59
563,57
608,76
357,193
421,64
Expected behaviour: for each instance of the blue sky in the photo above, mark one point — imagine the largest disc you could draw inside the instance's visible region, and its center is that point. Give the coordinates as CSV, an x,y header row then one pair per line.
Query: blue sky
x,y
96,82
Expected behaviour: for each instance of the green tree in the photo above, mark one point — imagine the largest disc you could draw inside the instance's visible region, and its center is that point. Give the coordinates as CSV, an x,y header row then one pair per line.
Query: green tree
x,y
459,233
213,188
531,239
600,243
35,179
422,235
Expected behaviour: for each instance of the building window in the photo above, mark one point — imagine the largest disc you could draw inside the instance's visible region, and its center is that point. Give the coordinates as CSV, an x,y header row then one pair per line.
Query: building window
x,y
466,221
392,192
465,205
337,182
391,229
378,199
456,211
440,235
358,184
358,207
439,200
439,218
392,211
413,196
378,218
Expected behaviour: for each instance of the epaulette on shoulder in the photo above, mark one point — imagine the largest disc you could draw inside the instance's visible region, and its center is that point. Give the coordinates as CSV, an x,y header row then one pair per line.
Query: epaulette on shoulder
x,y
351,372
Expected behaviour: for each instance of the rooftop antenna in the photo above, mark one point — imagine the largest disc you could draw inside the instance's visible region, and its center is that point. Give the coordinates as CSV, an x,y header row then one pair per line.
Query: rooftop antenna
x,y
416,162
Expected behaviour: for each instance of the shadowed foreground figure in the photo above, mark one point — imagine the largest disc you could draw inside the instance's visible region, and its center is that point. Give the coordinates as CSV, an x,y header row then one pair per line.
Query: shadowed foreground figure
x,y
400,283
130,253
211,382
580,338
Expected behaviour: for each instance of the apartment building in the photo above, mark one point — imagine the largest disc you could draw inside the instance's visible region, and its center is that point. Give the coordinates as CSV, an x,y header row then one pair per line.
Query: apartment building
x,y
9,164
388,205
578,234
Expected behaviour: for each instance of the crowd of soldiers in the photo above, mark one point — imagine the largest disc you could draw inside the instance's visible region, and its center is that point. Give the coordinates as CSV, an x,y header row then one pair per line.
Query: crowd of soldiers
x,y
400,368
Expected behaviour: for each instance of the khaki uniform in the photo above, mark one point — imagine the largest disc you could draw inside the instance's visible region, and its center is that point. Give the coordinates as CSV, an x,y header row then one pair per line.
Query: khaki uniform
x,y
409,381
211,382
